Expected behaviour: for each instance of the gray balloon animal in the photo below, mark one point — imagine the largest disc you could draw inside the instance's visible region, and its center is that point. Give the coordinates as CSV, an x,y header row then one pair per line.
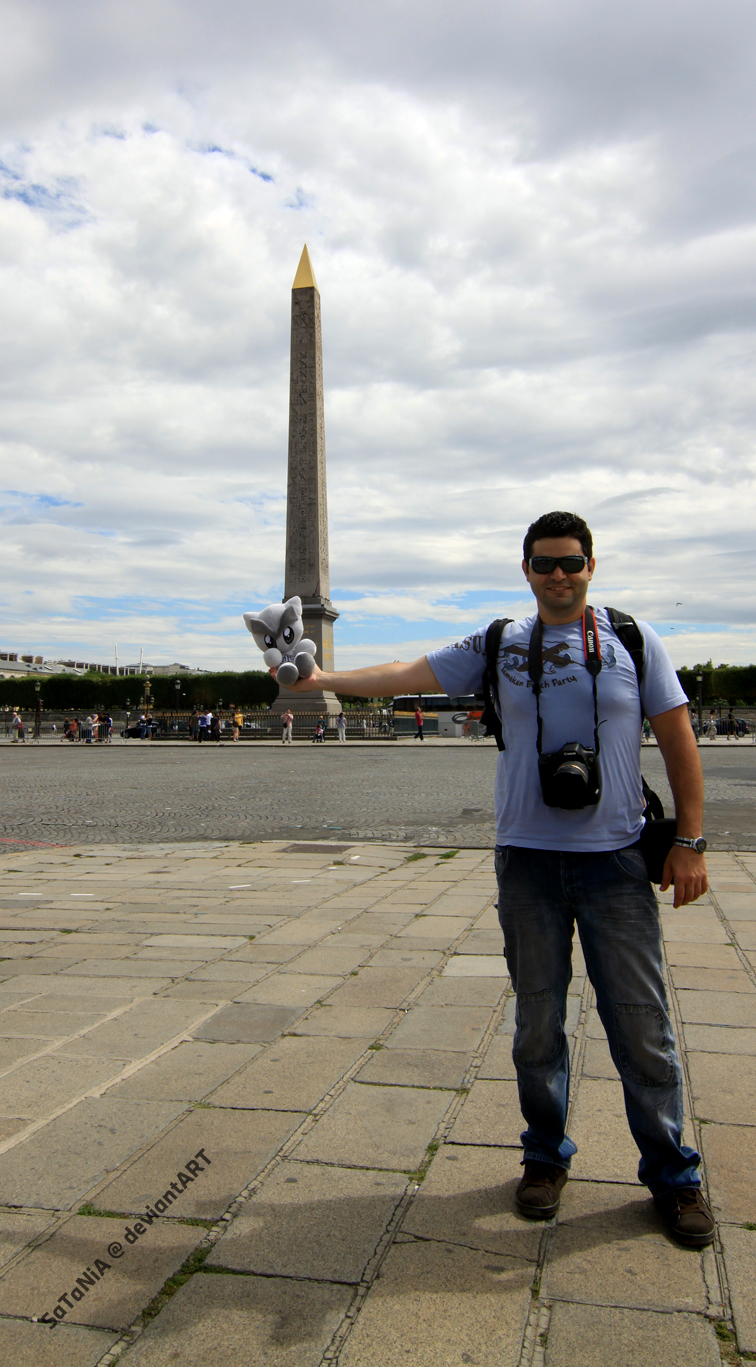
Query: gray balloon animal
x,y
278,631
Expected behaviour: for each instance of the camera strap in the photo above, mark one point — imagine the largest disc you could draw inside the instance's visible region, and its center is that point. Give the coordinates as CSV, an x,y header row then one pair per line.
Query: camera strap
x,y
592,647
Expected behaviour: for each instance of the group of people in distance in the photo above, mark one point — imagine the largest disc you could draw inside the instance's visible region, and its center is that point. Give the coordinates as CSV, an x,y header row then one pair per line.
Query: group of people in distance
x,y
206,724
97,727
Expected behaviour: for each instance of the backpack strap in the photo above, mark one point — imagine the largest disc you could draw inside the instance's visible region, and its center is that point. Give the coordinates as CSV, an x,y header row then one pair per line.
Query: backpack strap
x,y
490,715
631,637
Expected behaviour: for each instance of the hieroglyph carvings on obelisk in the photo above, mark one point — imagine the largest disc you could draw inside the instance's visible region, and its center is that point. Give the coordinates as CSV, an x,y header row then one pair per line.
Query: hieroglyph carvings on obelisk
x,y
307,508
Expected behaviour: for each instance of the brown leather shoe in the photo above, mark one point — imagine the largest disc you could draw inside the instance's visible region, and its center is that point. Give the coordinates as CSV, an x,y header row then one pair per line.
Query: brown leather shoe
x,y
539,1190
687,1216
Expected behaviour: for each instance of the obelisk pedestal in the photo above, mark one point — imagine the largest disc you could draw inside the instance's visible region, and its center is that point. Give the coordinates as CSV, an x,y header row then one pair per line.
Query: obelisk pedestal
x,y
307,572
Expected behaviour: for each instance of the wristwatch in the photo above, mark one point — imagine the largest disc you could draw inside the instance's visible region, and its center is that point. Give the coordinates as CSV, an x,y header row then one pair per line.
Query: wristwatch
x,y
698,845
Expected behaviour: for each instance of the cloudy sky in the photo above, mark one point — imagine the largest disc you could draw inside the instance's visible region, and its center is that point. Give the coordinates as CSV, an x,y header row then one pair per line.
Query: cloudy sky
x,y
534,232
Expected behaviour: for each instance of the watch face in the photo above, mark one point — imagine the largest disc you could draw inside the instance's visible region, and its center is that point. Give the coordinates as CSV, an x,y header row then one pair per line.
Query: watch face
x,y
700,845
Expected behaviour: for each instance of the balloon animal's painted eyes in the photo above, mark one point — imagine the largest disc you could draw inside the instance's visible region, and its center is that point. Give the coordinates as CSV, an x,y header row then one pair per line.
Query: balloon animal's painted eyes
x,y
269,641
288,635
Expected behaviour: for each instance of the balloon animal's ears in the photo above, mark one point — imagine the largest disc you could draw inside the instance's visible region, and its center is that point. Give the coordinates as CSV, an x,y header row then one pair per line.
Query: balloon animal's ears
x,y
253,623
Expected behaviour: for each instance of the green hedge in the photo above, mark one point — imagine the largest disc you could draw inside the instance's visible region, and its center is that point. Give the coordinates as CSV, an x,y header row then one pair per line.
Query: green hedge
x,y
61,692
729,684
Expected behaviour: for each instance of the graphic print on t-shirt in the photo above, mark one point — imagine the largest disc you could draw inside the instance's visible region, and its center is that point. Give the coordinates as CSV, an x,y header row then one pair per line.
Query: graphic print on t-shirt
x,y
514,658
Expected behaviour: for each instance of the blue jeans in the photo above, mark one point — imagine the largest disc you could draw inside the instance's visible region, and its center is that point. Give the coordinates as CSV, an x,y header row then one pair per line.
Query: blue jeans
x,y
542,894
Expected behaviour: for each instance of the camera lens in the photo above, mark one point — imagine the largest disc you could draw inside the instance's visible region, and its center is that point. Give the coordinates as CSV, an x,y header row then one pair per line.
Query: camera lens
x,y
571,783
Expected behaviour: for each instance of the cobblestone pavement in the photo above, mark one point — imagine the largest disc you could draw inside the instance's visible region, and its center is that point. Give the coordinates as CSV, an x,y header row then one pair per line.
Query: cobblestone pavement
x,y
274,1121
434,794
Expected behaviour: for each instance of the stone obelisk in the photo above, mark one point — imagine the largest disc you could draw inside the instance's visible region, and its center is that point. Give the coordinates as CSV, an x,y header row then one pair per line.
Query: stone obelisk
x,y
306,509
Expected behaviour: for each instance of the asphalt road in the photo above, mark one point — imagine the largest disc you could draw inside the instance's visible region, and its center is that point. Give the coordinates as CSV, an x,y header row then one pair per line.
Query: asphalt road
x,y
145,793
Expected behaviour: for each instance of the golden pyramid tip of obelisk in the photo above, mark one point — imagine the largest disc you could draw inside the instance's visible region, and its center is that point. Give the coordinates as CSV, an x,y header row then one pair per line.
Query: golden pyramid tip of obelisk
x,y
305,276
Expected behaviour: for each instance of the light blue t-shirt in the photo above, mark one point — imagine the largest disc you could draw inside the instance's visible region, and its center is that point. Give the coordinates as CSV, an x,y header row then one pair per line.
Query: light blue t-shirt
x,y
522,817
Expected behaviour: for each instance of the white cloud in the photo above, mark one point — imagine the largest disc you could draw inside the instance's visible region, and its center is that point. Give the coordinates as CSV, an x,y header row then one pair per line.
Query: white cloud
x,y
533,236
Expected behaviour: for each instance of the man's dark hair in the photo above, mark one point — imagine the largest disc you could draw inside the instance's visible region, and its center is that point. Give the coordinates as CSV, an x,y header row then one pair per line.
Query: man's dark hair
x,y
558,524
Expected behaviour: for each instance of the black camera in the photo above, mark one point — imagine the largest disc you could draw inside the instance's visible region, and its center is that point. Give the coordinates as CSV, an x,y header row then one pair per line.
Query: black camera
x,y
570,777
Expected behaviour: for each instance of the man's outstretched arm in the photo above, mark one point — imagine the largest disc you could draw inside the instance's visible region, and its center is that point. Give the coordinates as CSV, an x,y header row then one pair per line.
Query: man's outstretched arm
x,y
377,681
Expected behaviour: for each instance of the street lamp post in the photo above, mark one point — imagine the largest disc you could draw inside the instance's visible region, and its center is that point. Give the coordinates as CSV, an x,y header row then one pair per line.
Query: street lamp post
x,y
37,712
126,727
699,681
177,687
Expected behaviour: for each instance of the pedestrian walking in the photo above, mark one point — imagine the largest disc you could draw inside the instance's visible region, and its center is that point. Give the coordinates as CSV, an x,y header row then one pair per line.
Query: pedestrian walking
x,y
569,852
419,719
238,723
194,725
711,729
17,727
732,725
203,725
87,731
341,728
287,723
215,726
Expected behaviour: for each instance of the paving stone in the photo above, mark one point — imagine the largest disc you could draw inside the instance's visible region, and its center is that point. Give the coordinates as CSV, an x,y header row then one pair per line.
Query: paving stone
x,y
251,1321
415,1068
16,1230
231,972
606,1150
238,1144
376,1127
218,943
463,991
19,1047
712,979
485,942
579,1334
210,992
135,968
723,1087
468,1198
436,1304
738,905
611,1249
441,1027
322,1223
706,931
490,1115
717,1008
421,958
52,1024
60,1163
597,1061
729,1153
378,986
441,929
720,1039
292,1076
248,1023
291,989
740,1261
498,1062
476,966
35,1284
188,1073
298,933
38,1088
745,934
34,1345
350,1022
138,1031
322,960
262,952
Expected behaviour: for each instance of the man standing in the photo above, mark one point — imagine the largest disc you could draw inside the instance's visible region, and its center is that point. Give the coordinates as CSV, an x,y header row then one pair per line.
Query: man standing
x,y
564,677
287,722
203,725
419,719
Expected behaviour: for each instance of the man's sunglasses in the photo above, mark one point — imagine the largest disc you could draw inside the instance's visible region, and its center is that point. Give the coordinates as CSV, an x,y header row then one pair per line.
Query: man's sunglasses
x,y
546,564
